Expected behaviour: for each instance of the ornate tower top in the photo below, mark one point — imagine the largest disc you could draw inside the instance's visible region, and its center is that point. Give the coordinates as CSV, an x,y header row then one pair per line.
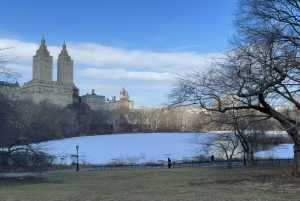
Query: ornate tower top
x,y
43,48
124,95
64,52
64,47
42,64
43,41
64,66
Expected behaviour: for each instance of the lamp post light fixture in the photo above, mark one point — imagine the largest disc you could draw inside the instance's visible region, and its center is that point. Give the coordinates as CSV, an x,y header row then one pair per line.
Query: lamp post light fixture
x,y
77,147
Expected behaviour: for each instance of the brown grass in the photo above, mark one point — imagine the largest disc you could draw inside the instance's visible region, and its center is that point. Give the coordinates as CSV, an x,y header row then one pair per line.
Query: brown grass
x,y
214,183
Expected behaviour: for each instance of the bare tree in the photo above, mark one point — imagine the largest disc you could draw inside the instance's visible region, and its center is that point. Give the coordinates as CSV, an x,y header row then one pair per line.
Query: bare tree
x,y
6,117
248,127
228,144
115,119
19,152
224,145
154,118
27,156
261,70
7,73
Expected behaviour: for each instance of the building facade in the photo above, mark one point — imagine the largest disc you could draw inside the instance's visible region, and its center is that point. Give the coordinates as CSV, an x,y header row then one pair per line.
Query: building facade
x,y
96,102
42,87
10,89
123,102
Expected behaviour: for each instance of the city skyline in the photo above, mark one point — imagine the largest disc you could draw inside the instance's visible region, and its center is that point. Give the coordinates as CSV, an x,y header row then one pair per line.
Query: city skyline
x,y
138,45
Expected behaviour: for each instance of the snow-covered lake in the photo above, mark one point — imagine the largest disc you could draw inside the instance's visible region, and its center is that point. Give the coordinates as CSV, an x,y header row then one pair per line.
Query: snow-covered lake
x,y
138,148
281,151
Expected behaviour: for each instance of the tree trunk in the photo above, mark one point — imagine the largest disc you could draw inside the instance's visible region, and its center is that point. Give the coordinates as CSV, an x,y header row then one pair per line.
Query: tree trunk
x,y
252,157
294,134
229,164
249,159
296,163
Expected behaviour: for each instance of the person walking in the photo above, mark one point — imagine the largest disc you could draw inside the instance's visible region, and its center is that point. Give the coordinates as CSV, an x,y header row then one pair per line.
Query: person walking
x,y
169,163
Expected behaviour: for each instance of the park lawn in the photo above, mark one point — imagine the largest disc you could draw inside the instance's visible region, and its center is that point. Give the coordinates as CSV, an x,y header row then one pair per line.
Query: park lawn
x,y
213,183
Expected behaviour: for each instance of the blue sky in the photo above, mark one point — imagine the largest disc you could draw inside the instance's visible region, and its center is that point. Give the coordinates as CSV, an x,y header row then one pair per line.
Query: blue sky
x,y
137,44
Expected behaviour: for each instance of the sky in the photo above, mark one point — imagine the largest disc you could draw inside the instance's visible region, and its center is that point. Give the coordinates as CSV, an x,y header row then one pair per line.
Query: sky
x,y
141,45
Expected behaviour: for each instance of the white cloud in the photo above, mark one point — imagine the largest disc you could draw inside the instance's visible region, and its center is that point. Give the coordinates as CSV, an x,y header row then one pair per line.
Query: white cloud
x,y
20,49
100,56
147,75
24,51
184,47
117,74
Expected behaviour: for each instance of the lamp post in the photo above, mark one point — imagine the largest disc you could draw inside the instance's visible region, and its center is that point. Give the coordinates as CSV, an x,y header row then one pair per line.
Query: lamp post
x,y
77,147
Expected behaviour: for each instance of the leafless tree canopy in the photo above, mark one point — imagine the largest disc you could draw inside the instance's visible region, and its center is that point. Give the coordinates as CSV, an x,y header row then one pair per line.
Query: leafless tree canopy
x,y
260,70
7,73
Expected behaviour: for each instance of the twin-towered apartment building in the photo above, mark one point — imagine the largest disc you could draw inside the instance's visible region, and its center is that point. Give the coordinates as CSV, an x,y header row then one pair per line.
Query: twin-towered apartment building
x,y
63,91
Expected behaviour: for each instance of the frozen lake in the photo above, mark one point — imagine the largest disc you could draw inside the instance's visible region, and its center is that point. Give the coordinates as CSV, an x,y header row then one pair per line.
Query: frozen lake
x,y
137,148
281,151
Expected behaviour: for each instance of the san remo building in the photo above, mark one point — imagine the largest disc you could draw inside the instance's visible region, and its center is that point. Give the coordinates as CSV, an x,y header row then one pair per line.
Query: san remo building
x,y
42,87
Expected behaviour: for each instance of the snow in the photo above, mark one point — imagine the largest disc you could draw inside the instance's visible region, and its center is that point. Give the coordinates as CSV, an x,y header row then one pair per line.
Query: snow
x,y
137,148
280,151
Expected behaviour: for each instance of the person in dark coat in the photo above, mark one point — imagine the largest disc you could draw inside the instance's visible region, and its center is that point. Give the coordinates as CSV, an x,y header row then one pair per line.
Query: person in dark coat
x,y
169,162
212,158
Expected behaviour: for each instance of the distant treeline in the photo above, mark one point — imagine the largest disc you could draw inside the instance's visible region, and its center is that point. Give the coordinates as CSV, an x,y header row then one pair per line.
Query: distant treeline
x,y
46,121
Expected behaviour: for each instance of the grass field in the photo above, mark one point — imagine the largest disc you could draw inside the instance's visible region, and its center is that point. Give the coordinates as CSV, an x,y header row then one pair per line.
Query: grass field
x,y
215,183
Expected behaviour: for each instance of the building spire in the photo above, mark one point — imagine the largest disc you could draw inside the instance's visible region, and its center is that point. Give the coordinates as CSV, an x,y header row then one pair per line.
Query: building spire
x,y
43,41
64,46
64,52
